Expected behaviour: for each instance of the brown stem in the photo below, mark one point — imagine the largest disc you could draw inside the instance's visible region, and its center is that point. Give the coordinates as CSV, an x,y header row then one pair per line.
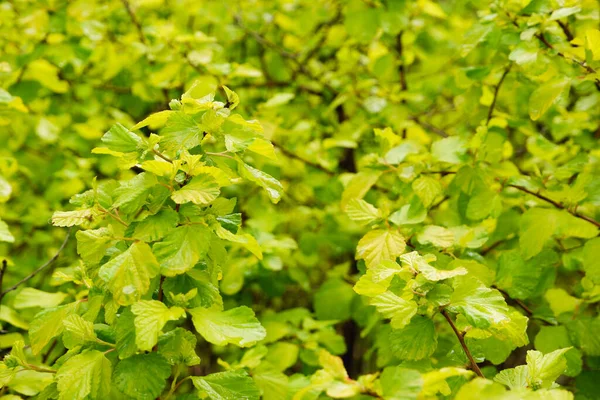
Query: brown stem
x,y
582,64
40,269
134,20
293,155
161,155
2,271
46,355
402,68
461,339
565,29
493,105
556,204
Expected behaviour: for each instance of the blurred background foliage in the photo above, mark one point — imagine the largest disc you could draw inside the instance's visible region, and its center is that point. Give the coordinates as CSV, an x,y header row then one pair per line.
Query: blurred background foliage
x,y
361,99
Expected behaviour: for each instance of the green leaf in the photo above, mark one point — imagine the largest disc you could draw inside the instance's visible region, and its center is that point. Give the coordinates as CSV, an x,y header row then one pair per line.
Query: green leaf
x,y
544,369
420,264
592,37
545,96
30,297
514,378
397,309
5,235
358,187
179,347
181,131
481,305
81,330
551,338
143,376
273,384
153,120
437,236
71,218
125,334
233,100
246,240
47,325
128,275
120,139
93,243
434,382
237,326
333,291
202,189
591,261
150,318
400,383
428,189
156,227
181,249
362,212
262,179
537,227
380,245
85,376
415,341
131,195
230,385
449,150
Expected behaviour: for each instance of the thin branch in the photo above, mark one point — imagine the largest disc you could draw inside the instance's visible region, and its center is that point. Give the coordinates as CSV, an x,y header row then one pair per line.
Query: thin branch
x,y
433,128
161,155
402,68
134,20
461,339
518,302
294,156
2,271
40,269
262,40
582,64
565,29
556,204
315,49
493,105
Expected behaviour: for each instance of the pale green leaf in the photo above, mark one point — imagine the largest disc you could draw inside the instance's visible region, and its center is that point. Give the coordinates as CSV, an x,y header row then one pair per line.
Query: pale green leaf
x,y
120,139
545,96
150,318
380,245
237,326
400,383
93,243
481,305
246,240
271,185
393,307
85,376
80,330
362,212
437,236
181,249
47,325
30,297
202,189
229,385
128,275
5,235
544,369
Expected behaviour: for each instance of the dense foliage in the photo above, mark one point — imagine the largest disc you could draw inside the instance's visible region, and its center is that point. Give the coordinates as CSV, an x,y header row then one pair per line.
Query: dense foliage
x,y
300,199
